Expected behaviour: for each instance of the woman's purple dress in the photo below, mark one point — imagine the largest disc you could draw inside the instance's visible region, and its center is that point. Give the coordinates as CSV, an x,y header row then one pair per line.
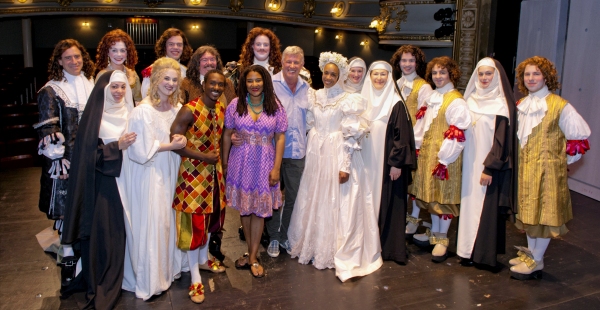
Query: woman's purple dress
x,y
247,183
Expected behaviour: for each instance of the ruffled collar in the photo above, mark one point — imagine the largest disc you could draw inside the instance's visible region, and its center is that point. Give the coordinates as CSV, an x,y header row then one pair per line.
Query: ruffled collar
x,y
534,102
330,96
532,110
437,97
407,80
264,63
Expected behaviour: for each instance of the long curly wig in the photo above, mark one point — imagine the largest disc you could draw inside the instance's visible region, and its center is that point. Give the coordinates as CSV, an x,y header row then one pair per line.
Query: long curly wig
x,y
193,68
160,48
270,105
110,39
55,70
247,55
548,71
159,68
413,50
446,63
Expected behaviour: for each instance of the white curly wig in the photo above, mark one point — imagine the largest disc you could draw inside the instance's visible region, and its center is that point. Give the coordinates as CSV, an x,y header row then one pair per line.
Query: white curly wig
x,y
337,59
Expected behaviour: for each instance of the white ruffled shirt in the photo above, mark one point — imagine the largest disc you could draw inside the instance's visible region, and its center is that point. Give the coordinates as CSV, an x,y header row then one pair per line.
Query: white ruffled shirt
x,y
532,110
265,64
405,83
457,114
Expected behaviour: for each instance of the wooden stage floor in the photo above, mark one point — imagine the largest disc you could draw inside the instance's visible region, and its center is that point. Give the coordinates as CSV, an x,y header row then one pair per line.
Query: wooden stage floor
x,y
29,278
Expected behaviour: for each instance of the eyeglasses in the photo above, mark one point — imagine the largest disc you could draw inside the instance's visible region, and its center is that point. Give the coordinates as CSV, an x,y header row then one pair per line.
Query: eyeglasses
x,y
208,60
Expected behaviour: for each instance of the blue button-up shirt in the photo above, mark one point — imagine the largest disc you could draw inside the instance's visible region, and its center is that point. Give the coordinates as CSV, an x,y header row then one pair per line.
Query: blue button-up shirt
x,y
295,105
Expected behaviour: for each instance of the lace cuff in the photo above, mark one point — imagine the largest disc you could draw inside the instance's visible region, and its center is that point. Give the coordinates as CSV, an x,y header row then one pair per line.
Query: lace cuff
x,y
59,167
52,146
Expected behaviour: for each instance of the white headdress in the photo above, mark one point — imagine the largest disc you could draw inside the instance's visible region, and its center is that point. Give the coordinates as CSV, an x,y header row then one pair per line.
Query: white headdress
x,y
337,59
488,100
380,102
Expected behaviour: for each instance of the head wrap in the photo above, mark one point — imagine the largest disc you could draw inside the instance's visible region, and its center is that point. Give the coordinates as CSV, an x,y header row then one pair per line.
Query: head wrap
x,y
114,116
490,100
350,86
380,102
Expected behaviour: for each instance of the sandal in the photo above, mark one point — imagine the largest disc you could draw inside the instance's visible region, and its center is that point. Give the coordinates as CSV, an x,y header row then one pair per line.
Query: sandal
x,y
256,265
213,266
244,265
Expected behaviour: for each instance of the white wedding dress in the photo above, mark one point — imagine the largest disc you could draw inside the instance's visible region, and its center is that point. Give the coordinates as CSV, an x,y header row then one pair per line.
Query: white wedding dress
x,y
334,225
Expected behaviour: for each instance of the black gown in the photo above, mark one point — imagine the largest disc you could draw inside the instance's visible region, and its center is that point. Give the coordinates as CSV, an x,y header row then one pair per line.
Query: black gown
x,y
400,153
95,219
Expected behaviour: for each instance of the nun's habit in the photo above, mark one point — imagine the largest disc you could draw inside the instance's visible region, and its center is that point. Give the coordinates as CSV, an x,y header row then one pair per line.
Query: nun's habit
x,y
95,217
489,149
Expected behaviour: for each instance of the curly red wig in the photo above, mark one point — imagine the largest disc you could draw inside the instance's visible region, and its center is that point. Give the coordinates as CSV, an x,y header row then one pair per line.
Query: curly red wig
x,y
446,63
160,48
247,55
548,71
413,50
55,70
110,39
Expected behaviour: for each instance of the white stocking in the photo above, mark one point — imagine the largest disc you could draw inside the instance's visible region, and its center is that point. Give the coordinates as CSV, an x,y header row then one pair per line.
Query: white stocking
x,y
67,248
194,269
444,226
415,210
531,243
541,244
435,223
203,257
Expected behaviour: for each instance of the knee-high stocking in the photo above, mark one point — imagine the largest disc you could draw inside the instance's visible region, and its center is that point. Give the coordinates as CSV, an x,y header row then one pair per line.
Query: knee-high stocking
x,y
193,256
541,244
203,255
435,223
444,226
67,248
531,243
415,210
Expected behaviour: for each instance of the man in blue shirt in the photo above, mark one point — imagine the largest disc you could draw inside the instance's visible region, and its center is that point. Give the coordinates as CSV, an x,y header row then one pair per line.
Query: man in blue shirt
x,y
292,91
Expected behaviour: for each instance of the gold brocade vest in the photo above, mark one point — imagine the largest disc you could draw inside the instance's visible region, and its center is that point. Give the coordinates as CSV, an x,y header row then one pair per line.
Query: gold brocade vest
x,y
411,101
426,187
196,181
543,192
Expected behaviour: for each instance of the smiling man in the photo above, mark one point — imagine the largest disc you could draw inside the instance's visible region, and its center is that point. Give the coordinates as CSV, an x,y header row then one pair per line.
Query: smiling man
x,y
200,192
204,59
61,103
172,44
410,60
292,91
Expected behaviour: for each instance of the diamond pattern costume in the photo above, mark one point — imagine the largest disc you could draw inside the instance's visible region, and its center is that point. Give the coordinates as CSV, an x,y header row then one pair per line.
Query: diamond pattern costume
x,y
200,191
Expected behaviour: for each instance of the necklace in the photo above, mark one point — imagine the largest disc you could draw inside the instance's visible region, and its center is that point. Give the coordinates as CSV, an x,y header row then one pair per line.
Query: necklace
x,y
475,121
252,105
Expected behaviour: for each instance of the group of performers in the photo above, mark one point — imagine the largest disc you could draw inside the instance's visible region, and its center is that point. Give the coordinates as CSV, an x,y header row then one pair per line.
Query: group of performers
x,y
137,174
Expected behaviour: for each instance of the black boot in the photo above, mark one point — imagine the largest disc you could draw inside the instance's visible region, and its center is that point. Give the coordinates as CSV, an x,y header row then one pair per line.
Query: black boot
x,y
67,273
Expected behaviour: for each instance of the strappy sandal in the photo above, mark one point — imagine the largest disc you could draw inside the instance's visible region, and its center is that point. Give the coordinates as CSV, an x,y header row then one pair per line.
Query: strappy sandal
x,y
213,266
245,265
256,265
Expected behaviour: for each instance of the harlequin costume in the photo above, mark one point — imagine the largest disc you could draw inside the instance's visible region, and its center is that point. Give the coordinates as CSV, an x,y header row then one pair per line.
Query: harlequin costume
x,y
200,192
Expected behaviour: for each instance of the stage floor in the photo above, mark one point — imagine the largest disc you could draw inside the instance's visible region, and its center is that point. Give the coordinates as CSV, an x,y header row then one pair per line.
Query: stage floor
x,y
30,279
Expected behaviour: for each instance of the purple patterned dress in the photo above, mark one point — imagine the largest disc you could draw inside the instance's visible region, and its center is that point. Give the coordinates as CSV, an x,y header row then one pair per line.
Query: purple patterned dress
x,y
247,182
